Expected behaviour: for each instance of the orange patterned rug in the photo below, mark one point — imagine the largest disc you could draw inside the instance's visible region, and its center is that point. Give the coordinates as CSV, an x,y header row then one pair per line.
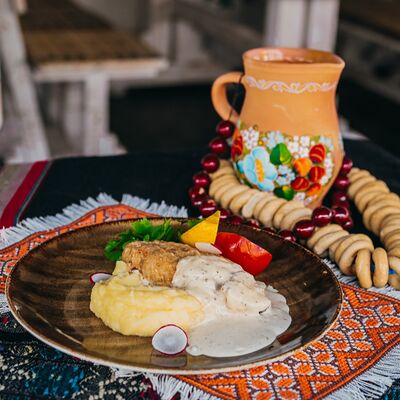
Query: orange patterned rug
x,y
358,358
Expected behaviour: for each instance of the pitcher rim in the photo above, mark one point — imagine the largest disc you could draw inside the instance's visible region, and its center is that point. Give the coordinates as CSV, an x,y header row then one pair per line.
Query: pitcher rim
x,y
333,60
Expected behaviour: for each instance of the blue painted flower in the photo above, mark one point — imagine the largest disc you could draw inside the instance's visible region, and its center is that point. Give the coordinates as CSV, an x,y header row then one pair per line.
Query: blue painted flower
x,y
239,166
274,138
258,169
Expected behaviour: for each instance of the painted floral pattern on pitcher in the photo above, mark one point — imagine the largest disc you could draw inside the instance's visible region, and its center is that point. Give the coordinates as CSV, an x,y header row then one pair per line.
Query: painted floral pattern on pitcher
x,y
293,167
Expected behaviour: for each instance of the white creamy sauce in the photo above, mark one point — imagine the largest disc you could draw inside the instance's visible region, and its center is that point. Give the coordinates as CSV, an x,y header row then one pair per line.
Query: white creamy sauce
x,y
242,315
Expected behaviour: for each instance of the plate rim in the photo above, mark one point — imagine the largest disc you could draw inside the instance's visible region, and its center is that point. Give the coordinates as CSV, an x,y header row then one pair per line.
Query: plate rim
x,y
169,371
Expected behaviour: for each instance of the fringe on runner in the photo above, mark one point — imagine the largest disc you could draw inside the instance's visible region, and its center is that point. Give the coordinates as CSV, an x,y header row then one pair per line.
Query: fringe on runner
x,y
69,214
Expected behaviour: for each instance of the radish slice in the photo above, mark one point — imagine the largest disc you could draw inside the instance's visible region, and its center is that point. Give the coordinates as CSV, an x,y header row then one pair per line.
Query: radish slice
x,y
207,248
170,340
99,276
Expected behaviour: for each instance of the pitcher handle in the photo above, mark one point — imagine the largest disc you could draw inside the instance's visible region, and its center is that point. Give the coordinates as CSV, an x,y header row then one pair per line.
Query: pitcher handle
x,y
219,99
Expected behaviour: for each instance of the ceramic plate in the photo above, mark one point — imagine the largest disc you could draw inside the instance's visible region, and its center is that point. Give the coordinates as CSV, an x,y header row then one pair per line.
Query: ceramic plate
x,y
49,292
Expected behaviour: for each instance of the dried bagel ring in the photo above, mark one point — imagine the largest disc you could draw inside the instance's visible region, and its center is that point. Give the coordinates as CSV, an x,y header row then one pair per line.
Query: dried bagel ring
x,y
227,186
215,185
240,200
221,171
392,246
377,199
354,170
327,240
356,174
283,210
292,217
388,196
248,208
224,163
233,191
389,230
262,203
388,240
333,247
394,281
389,209
346,260
392,238
395,252
363,268
381,273
268,212
394,263
375,221
355,186
318,233
391,220
377,185
347,242
367,194
364,197
221,181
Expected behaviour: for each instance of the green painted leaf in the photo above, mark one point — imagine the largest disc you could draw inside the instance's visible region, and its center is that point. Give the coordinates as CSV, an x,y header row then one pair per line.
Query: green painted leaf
x,y
285,192
280,154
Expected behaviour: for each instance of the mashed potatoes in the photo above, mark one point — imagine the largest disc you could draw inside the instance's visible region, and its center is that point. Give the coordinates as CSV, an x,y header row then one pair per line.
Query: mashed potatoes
x,y
127,304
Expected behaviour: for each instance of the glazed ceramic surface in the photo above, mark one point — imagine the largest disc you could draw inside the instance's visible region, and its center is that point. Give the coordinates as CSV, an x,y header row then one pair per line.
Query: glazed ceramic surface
x,y
49,293
287,138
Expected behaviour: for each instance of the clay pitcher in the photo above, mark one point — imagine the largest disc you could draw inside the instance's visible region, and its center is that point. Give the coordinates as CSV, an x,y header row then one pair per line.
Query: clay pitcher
x,y
287,138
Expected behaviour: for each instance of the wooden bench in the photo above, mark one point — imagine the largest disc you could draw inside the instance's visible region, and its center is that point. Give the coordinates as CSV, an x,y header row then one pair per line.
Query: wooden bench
x,y
58,42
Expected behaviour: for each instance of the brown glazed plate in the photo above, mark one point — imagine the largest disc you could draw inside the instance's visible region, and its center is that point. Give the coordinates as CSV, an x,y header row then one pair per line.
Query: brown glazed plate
x,y
49,293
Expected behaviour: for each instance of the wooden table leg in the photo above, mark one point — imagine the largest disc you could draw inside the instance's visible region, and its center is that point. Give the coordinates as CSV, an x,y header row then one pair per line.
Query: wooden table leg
x,y
72,115
33,145
97,139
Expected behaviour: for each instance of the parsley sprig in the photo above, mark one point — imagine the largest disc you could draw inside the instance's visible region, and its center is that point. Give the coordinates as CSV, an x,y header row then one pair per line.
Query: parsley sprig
x,y
143,230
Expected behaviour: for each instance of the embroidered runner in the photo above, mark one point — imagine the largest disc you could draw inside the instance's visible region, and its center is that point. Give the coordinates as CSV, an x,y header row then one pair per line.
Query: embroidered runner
x,y
357,358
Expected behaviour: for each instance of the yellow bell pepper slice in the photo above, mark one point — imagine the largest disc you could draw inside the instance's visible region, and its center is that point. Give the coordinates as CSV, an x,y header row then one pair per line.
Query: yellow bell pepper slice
x,y
205,231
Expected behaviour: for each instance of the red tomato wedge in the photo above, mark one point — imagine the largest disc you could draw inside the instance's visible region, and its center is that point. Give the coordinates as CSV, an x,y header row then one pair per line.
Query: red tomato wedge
x,y
251,257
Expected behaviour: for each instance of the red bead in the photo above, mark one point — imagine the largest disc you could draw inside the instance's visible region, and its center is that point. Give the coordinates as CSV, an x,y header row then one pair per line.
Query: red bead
x,y
340,215
322,216
218,146
210,163
348,225
269,229
208,207
225,129
253,223
339,196
341,183
287,235
224,214
347,165
196,192
202,179
199,200
304,229
344,204
235,220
